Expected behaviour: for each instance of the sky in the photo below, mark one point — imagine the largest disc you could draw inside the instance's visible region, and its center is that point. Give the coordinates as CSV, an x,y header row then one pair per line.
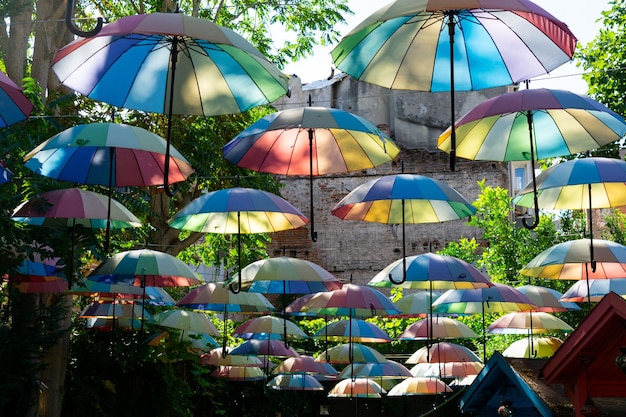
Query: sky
x,y
580,15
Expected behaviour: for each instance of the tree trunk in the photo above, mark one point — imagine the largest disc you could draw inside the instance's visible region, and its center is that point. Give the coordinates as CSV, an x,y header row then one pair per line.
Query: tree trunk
x,y
14,43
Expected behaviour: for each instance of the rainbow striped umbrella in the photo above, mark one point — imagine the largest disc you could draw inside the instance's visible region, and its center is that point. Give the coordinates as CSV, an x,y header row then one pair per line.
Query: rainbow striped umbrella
x,y
217,357
14,106
354,329
305,364
350,353
268,347
453,369
547,299
388,369
419,386
417,304
533,347
271,327
524,322
295,382
437,328
595,291
442,352
351,300
360,387
238,373
190,321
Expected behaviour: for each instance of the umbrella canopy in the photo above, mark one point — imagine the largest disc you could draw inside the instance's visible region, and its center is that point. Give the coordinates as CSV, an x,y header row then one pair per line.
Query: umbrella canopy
x,y
437,328
523,322
495,299
113,310
447,369
280,143
41,276
387,369
170,63
351,300
352,330
150,295
14,106
185,320
341,354
542,347
109,154
419,386
199,343
74,207
295,382
571,260
442,352
561,122
216,297
106,324
431,271
238,373
216,357
596,290
269,347
360,387
238,210
271,327
286,275
435,45
403,199
417,304
305,364
547,299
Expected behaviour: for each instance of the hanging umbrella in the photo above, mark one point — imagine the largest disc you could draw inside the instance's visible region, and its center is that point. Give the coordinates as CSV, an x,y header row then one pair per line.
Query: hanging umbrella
x,y
434,45
216,297
286,275
579,184
185,320
14,106
311,141
269,347
547,299
106,324
41,276
520,323
596,290
295,382
236,211
356,330
340,354
496,299
103,290
268,327
360,387
417,304
351,300
437,328
430,271
170,63
217,357
238,373
533,125
113,310
419,386
542,347
305,364
402,199
460,369
199,343
377,370
442,352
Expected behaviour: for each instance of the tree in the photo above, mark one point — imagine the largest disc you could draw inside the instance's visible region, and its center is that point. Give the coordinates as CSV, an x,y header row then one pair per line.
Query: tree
x,y
603,61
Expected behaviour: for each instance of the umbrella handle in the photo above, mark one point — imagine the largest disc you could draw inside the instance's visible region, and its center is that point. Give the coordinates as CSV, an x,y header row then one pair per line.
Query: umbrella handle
x,y
531,226
69,22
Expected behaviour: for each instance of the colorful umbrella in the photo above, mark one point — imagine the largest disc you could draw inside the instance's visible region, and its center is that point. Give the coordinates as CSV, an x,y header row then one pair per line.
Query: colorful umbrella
x,y
525,322
238,373
101,290
402,199
356,330
547,299
106,324
113,310
351,300
217,357
442,352
295,382
437,328
311,141
269,327
341,354
434,45
14,106
360,387
461,369
236,211
532,125
5,173
110,154
305,364
39,276
595,291
216,297
430,271
286,275
172,64
376,370
540,347
185,320
269,347
199,343
417,304
419,386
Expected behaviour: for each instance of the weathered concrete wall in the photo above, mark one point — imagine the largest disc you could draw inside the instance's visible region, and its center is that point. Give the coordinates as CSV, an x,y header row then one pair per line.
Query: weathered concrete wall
x,y
415,120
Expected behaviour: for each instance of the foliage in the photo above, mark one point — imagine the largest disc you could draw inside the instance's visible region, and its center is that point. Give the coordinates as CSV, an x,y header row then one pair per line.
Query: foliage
x,y
603,61
616,225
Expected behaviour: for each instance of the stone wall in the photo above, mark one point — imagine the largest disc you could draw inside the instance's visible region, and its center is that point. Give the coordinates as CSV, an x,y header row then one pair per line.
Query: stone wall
x,y
358,250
